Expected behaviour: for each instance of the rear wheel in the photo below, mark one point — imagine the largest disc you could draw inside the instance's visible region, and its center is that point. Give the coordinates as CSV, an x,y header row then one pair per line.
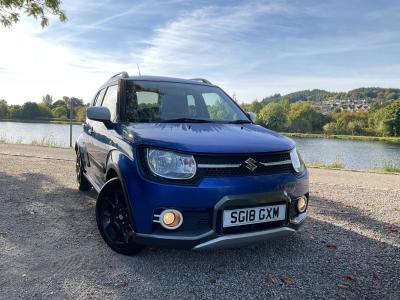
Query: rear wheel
x,y
113,220
82,182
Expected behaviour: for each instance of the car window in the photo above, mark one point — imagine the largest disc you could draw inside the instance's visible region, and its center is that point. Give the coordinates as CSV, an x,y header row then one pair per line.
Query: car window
x,y
217,107
110,100
163,101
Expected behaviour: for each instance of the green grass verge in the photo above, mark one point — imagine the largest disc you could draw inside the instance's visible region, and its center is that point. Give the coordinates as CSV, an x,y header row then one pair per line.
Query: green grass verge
x,y
388,139
391,168
333,165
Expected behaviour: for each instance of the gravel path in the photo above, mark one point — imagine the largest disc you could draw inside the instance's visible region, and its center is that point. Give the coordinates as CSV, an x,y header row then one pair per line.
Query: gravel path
x,y
50,247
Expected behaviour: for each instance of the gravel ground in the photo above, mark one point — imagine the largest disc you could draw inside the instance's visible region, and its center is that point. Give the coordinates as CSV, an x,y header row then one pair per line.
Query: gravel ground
x,y
50,247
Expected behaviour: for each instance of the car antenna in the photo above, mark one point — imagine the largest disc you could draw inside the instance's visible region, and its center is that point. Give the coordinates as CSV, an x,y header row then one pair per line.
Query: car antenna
x,y
138,69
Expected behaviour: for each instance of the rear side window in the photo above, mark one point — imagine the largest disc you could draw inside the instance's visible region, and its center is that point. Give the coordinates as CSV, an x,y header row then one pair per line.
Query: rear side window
x,y
110,101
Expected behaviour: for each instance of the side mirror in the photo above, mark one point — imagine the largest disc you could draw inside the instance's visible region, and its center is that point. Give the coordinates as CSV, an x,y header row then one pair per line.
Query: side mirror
x,y
252,116
99,113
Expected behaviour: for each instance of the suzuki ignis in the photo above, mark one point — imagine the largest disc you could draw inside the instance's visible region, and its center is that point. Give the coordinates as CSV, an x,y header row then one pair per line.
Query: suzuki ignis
x,y
177,163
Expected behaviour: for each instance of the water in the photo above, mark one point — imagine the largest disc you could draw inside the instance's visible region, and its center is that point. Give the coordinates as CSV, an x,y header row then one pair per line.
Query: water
x,y
38,133
353,154
363,155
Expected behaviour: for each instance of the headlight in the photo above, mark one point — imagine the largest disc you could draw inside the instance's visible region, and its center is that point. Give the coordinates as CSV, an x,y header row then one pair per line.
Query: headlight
x,y
171,165
297,162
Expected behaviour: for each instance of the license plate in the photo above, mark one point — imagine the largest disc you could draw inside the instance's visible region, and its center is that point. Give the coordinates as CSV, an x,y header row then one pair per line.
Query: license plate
x,y
254,215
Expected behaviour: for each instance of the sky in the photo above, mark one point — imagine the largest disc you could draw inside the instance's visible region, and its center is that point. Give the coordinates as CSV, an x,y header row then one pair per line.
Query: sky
x,y
251,49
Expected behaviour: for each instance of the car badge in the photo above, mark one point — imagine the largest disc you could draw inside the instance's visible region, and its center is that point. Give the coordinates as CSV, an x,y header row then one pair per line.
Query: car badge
x,y
251,164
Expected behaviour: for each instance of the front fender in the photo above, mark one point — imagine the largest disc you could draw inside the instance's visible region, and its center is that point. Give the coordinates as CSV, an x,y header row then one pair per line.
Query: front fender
x,y
123,165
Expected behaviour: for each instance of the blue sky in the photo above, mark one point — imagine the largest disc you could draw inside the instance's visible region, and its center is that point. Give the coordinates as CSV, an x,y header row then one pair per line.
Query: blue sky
x,y
250,48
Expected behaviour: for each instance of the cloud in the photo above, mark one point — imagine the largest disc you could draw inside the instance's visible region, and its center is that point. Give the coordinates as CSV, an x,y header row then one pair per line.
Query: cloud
x,y
209,37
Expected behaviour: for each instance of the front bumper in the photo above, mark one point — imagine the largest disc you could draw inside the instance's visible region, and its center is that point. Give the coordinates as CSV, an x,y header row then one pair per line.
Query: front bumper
x,y
217,238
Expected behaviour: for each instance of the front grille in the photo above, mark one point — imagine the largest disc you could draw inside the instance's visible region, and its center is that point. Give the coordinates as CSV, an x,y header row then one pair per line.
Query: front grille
x,y
216,165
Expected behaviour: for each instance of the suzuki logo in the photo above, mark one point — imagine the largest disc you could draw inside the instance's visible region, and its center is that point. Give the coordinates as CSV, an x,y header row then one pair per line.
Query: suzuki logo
x,y
251,164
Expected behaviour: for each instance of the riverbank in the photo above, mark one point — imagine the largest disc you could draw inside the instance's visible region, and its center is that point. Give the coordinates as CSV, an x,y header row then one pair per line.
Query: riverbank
x,y
387,139
39,121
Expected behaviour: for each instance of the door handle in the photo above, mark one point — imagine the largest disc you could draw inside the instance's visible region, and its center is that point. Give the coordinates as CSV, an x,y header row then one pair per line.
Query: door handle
x,y
90,131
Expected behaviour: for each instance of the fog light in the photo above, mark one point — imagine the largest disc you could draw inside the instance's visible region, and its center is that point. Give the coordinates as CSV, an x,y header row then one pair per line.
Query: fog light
x,y
301,204
171,219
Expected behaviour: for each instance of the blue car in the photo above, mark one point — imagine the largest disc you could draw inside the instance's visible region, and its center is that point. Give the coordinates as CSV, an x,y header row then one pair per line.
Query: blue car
x,y
177,163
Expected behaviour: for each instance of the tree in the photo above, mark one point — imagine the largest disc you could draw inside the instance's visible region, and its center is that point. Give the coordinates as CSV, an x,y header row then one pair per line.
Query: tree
x,y
255,107
47,100
274,115
3,109
305,118
60,112
80,113
9,11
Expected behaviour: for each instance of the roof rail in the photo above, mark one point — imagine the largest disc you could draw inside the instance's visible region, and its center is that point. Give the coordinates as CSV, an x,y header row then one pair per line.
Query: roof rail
x,y
201,80
123,75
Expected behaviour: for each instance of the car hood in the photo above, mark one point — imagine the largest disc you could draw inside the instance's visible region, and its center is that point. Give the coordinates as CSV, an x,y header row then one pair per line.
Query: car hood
x,y
209,137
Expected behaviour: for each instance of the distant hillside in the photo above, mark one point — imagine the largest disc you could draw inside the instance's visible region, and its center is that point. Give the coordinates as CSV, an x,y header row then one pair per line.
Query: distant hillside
x,y
361,98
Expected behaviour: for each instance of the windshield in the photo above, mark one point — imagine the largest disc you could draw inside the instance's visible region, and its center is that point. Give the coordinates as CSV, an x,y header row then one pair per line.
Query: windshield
x,y
151,101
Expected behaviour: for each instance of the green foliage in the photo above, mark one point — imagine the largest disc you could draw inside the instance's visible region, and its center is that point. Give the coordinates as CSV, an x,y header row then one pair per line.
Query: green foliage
x,y
321,95
386,120
274,115
44,110
390,167
305,118
3,109
39,9
60,112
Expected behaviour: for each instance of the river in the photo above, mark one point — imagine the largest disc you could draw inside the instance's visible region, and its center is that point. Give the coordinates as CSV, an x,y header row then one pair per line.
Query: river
x,y
364,155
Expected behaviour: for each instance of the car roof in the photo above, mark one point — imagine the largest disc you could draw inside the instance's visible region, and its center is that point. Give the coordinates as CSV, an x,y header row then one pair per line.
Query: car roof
x,y
159,78
166,79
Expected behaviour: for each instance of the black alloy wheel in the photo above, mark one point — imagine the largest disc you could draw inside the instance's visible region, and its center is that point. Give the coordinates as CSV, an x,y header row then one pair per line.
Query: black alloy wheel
x,y
113,220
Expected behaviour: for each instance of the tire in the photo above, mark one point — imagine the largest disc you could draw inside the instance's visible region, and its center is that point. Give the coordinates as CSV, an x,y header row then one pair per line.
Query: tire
x,y
82,182
113,222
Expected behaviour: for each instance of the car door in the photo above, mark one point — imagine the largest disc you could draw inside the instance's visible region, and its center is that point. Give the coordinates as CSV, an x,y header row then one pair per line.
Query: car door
x,y
90,129
102,136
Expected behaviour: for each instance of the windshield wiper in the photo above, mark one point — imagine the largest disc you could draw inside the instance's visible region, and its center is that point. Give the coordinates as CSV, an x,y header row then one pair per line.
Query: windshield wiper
x,y
186,120
239,122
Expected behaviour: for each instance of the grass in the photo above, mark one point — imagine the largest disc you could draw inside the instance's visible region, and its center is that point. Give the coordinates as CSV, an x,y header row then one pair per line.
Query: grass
x,y
388,139
333,165
44,141
391,168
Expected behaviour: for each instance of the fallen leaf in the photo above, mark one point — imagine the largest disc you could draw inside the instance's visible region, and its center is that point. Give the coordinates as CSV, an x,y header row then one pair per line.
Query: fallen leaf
x,y
342,286
331,245
287,280
270,279
212,280
351,277
123,283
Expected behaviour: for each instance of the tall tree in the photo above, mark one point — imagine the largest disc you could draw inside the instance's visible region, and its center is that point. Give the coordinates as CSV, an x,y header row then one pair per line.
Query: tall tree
x,y
3,109
39,9
47,100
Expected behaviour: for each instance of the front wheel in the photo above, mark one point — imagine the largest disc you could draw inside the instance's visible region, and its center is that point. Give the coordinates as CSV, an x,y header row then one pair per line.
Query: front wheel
x,y
113,221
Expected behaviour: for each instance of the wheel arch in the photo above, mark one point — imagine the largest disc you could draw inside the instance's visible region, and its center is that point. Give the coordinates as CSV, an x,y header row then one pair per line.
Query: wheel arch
x,y
113,172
